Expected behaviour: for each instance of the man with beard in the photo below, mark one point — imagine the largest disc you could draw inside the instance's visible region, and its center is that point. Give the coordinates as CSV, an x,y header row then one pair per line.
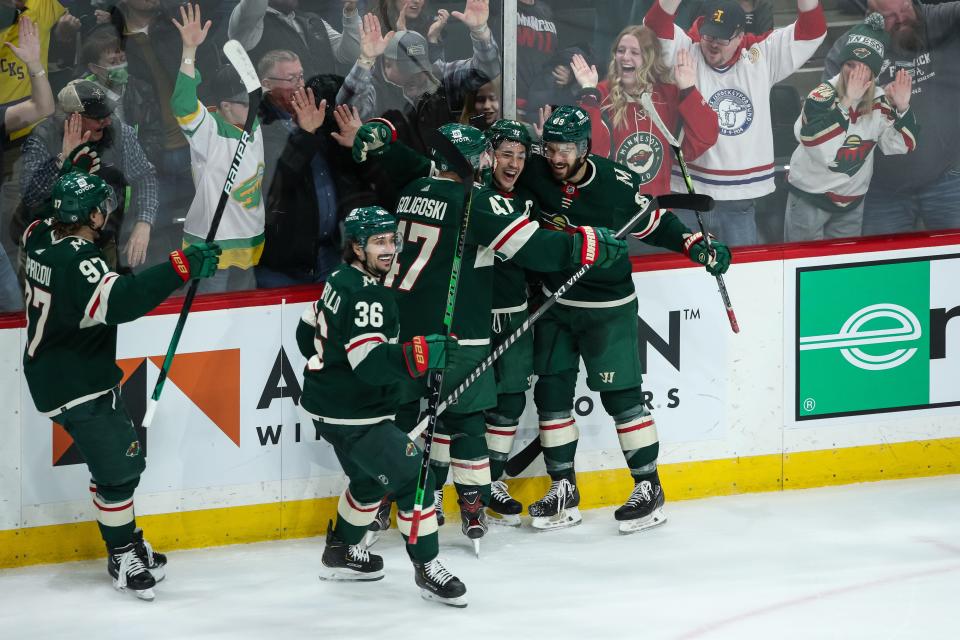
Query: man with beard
x,y
925,185
597,320
86,138
735,73
354,360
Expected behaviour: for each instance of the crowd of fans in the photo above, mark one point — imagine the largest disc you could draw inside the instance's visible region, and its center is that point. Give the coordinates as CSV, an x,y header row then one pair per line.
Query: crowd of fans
x,y
140,92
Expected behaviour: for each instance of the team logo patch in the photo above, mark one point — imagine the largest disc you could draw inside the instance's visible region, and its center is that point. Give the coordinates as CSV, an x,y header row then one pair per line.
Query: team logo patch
x,y
556,222
734,110
752,55
852,155
643,153
384,479
249,192
411,450
134,449
861,52
823,93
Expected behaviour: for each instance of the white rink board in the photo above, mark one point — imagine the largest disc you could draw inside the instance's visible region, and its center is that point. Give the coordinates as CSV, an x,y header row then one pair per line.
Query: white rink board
x,y
732,395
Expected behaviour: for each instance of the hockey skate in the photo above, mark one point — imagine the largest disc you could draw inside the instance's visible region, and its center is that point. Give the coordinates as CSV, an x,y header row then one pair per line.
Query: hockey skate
x,y
644,508
503,509
129,573
473,519
438,584
349,562
154,561
558,509
381,522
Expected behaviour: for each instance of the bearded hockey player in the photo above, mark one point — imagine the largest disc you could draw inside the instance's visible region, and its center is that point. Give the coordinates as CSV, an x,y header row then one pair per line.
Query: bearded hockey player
x,y
431,210
597,321
74,304
354,360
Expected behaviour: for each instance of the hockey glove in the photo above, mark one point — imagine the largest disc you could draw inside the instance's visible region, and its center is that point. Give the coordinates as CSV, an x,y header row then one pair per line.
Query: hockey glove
x,y
83,159
717,259
196,261
372,139
423,353
597,246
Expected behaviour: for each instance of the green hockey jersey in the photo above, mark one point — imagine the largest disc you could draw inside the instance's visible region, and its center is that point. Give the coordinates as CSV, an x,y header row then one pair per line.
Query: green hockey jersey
x,y
349,337
607,196
510,279
430,212
74,303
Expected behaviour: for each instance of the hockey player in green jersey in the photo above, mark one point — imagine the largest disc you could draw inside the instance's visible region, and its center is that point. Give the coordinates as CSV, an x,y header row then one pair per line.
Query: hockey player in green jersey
x,y
597,321
431,210
510,144
350,394
74,304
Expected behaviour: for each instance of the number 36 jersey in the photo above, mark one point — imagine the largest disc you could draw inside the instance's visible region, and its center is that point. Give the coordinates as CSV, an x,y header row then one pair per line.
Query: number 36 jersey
x,y
74,302
349,338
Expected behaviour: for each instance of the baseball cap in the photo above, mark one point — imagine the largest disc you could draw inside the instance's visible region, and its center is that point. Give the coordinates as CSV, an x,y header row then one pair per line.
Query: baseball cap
x,y
722,19
409,50
228,87
86,98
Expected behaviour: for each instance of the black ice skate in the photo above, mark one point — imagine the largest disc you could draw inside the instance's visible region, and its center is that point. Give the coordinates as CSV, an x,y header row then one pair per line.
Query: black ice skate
x,y
473,520
559,508
644,508
154,561
438,584
128,572
503,509
349,562
381,522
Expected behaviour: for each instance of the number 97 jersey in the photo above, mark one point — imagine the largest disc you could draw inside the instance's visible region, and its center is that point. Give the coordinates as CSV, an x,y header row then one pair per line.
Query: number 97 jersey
x,y
70,352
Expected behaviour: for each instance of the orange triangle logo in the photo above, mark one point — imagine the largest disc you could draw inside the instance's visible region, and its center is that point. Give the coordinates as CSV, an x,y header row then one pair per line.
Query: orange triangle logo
x,y
211,379
61,442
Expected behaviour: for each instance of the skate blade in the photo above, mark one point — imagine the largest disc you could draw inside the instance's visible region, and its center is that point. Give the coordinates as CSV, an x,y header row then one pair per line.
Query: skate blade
x,y
342,574
476,547
569,517
370,538
503,520
655,519
459,602
143,594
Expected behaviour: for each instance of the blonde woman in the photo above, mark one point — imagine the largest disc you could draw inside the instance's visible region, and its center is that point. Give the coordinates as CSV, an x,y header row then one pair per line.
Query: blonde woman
x,y
621,129
842,122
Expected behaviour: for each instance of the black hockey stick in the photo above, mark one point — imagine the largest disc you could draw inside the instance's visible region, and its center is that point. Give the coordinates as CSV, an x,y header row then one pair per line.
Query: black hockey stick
x,y
647,101
465,171
671,201
241,62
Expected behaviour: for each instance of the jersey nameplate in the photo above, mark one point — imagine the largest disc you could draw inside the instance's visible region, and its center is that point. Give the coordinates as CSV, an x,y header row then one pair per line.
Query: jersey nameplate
x,y
421,206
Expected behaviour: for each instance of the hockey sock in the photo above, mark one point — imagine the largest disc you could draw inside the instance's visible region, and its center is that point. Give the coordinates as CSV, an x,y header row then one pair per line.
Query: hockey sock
x,y
115,516
440,453
354,514
636,430
502,423
428,543
469,460
553,395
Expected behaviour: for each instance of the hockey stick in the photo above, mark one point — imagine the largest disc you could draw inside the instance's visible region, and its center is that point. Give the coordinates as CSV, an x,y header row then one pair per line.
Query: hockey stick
x,y
693,201
463,169
241,62
647,101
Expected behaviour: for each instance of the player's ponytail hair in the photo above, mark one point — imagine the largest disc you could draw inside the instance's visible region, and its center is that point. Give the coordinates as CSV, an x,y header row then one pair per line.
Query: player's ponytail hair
x,y
650,72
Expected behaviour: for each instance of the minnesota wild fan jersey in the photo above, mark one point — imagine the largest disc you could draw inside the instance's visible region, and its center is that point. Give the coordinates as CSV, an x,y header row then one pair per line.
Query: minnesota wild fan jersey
x,y
349,337
74,303
607,196
213,142
430,212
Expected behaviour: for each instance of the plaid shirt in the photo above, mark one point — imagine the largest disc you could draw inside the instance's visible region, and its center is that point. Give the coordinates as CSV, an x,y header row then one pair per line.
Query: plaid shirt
x,y
457,77
40,172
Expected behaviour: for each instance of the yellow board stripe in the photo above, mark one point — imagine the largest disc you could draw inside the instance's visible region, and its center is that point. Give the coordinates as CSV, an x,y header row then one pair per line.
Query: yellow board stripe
x,y
682,481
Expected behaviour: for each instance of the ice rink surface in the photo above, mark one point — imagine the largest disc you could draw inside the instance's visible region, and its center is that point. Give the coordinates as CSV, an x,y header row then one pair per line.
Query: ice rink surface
x,y
877,561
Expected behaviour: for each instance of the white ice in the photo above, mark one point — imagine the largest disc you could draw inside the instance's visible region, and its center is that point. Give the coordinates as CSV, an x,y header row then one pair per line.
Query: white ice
x,y
877,561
